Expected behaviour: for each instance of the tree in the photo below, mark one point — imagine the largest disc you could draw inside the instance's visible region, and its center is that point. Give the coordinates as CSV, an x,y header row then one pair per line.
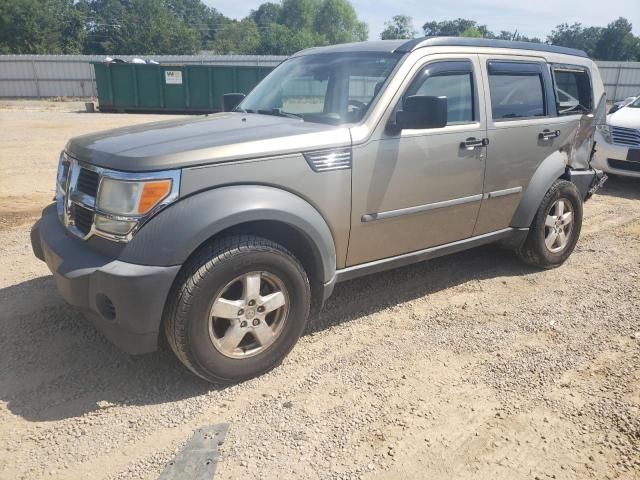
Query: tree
x,y
298,14
399,27
454,28
266,14
41,26
516,37
576,36
277,39
616,42
207,21
238,38
147,27
337,22
472,32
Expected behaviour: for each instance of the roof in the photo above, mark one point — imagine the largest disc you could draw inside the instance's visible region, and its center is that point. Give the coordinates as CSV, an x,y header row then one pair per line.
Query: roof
x,y
387,46
405,46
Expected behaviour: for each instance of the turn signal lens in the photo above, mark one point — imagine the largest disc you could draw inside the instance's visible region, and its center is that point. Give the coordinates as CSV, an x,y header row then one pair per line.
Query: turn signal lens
x,y
152,194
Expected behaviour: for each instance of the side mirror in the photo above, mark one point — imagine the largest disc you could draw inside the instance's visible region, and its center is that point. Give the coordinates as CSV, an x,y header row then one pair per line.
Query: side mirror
x,y
422,112
231,101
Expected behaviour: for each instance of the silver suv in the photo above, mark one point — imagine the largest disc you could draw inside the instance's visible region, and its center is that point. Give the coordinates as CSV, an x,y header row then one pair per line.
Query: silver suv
x,y
221,232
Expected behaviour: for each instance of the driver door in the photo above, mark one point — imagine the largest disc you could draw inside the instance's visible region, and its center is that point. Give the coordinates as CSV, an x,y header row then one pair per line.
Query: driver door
x,y
421,188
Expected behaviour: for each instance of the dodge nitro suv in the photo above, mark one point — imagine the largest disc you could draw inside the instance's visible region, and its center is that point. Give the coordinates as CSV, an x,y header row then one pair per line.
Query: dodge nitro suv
x,y
221,232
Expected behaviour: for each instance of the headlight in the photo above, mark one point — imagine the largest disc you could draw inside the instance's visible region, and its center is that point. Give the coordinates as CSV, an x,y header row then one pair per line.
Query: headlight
x,y
605,131
127,198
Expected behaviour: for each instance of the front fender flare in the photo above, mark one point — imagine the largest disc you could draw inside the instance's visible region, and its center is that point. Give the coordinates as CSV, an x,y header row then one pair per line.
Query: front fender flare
x,y
551,168
175,233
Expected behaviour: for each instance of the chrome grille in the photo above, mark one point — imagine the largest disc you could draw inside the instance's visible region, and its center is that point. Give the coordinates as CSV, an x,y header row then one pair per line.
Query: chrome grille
x,y
328,160
88,181
76,196
82,218
627,137
77,186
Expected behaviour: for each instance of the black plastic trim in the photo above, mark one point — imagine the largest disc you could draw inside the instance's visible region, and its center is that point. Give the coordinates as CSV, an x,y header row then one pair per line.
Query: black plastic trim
x,y
376,266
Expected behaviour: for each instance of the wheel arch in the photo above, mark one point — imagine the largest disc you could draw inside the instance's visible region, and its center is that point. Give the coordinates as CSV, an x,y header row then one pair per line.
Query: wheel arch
x,y
551,169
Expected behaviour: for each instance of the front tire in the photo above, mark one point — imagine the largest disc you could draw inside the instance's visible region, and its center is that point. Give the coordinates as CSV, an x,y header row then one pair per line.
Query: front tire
x,y
238,308
555,229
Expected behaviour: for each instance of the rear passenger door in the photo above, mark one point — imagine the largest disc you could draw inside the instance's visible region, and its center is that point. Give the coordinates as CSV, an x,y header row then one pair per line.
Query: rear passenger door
x,y
523,129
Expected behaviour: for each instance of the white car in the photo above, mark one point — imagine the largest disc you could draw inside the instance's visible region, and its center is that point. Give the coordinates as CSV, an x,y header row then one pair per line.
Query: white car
x,y
618,142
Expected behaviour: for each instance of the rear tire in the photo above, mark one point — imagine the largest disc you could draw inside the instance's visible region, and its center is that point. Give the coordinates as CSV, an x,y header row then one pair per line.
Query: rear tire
x,y
555,229
237,309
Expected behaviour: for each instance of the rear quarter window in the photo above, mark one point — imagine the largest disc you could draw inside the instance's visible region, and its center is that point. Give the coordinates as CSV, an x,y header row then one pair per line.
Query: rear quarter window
x,y
573,90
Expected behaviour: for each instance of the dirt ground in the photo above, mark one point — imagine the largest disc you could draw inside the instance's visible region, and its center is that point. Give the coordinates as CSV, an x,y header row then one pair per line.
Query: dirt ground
x,y
472,366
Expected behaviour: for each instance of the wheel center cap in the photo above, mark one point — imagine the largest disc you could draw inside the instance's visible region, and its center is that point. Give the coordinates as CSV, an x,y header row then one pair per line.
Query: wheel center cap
x,y
249,313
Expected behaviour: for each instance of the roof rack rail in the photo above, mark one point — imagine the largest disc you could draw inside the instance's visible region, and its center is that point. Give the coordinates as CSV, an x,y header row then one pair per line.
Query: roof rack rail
x,y
411,45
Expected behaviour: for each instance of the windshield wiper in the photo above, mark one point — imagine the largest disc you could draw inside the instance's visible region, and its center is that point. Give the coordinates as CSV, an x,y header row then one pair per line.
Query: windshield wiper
x,y
279,113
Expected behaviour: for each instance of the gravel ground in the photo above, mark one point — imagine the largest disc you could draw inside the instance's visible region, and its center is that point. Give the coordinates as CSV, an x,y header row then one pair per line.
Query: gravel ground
x,y
472,366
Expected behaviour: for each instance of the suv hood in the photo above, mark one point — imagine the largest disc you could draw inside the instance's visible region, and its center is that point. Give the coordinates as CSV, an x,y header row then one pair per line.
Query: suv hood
x,y
203,140
625,117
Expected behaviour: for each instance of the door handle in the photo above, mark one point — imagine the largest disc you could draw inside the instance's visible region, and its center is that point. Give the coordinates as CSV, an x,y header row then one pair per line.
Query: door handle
x,y
472,142
548,134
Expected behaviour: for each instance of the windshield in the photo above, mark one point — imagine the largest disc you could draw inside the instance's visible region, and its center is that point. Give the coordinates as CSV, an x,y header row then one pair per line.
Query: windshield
x,y
331,88
635,104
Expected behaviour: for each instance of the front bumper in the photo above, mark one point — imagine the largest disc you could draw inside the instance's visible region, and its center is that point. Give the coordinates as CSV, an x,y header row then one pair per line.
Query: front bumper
x,y
616,159
124,301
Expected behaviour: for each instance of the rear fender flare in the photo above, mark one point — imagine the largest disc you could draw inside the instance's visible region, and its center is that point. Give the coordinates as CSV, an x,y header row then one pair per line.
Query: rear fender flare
x,y
551,169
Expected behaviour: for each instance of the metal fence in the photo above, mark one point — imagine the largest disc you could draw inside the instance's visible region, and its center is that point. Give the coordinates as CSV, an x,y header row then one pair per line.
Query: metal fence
x,y
73,76
621,79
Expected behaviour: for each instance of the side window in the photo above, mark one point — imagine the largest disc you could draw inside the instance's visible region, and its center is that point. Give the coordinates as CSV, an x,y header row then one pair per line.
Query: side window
x,y
517,90
573,90
453,80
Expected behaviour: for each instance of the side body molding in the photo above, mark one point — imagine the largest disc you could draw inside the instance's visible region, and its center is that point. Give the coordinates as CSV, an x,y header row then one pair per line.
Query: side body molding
x,y
551,168
175,233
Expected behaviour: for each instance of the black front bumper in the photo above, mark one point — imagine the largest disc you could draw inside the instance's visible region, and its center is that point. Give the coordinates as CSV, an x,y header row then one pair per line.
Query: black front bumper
x,y
124,301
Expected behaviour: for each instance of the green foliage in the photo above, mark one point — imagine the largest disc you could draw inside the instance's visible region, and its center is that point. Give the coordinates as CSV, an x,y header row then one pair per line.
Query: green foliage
x,y
154,27
616,42
298,14
576,36
278,39
337,22
398,28
195,14
472,32
455,28
613,42
37,26
266,14
148,27
238,38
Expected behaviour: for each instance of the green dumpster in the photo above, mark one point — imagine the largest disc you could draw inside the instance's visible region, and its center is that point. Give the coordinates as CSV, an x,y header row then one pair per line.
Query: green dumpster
x,y
133,87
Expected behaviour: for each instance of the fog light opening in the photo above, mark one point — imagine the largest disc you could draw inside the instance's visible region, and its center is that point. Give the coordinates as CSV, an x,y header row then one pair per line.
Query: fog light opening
x,y
106,307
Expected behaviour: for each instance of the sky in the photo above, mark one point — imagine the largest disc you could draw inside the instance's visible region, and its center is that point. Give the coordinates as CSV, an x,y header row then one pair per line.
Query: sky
x,y
533,18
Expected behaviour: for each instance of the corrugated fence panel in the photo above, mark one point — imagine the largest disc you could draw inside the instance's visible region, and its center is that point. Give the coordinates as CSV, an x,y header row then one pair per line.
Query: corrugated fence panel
x,y
73,76
621,79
